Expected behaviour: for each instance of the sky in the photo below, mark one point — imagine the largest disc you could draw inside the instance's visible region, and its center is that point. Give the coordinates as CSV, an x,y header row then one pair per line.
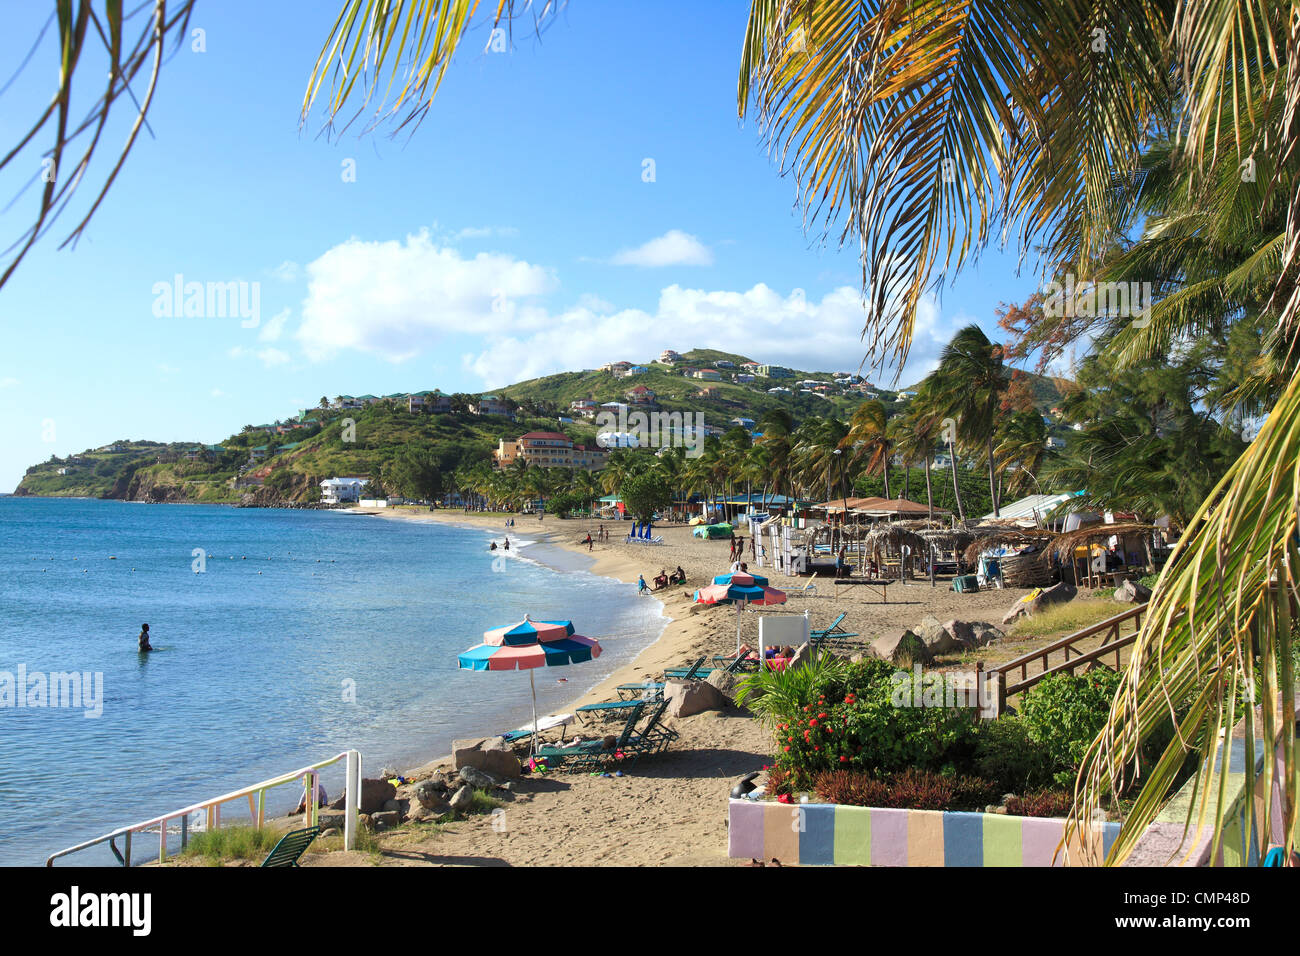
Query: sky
x,y
583,197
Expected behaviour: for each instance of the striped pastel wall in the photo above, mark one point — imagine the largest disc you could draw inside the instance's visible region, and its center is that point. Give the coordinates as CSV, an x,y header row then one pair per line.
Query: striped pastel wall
x,y
818,834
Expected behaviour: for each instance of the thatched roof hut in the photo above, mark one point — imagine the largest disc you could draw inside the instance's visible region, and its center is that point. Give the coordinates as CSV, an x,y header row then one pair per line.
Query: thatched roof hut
x,y
1064,545
1005,537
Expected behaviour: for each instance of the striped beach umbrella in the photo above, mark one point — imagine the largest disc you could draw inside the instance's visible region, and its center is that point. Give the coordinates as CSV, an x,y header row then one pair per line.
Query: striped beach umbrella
x,y
746,588
528,645
741,588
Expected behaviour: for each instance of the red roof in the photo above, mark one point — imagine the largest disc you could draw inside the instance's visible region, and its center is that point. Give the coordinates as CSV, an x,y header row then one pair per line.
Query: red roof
x,y
544,436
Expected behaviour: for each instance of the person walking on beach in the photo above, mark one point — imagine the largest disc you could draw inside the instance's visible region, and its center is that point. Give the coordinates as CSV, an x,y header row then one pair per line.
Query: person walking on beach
x,y
144,639
588,541
641,585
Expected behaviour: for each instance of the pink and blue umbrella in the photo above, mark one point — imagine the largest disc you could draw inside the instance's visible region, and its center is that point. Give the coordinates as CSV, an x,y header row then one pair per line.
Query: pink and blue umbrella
x,y
741,588
738,586
528,645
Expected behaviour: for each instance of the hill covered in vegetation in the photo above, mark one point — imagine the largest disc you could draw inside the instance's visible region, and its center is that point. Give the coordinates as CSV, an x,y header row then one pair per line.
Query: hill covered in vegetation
x,y
417,452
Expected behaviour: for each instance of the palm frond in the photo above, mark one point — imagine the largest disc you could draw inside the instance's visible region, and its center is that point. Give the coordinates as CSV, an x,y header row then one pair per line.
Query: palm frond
x,y
72,146
1221,612
393,54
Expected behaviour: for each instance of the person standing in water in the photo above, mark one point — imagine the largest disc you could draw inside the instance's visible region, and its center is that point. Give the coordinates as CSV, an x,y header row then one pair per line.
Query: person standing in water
x,y
144,639
507,544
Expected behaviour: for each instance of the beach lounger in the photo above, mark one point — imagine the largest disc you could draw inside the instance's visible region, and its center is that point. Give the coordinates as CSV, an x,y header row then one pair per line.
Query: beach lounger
x,y
609,709
590,753
546,723
833,635
291,846
653,738
685,673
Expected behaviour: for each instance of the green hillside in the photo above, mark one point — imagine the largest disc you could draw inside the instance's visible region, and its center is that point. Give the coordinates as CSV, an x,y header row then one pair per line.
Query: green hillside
x,y
384,441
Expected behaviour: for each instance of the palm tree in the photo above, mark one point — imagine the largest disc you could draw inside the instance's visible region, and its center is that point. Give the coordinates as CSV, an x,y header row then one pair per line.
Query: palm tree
x,y
914,438
870,439
968,387
1020,440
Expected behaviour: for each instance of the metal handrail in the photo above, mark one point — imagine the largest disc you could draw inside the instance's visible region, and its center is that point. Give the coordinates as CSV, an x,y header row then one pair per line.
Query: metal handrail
x,y
310,775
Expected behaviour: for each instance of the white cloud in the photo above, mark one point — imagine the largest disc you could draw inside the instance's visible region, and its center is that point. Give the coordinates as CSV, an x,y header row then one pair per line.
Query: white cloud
x,y
271,357
487,232
268,356
218,393
274,328
9,383
761,323
286,271
400,298
673,248
395,299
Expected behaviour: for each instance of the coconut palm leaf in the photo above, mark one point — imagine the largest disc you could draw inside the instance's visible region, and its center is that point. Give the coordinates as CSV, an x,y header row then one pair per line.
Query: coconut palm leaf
x,y
132,41
1220,615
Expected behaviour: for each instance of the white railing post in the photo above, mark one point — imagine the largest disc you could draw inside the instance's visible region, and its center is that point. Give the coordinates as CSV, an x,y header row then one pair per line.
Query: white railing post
x,y
351,800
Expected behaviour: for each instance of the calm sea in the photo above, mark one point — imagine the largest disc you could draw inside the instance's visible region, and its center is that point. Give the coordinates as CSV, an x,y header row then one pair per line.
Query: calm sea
x,y
306,633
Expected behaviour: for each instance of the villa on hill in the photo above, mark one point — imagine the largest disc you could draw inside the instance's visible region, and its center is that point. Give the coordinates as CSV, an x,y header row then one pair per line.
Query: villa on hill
x,y
491,405
549,450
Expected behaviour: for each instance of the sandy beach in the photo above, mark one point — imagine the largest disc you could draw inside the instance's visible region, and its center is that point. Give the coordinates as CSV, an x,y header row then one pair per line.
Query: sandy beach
x,y
672,808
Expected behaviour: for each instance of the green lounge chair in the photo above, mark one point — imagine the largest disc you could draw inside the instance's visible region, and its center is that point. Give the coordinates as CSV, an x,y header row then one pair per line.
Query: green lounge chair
x,y
834,634
591,754
291,846
685,673
653,738
609,709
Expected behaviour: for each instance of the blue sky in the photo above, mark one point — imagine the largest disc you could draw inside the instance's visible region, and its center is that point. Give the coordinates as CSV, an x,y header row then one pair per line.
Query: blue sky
x,y
513,235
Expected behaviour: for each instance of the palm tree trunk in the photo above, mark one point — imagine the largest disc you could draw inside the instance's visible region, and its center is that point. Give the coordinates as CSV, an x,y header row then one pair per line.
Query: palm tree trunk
x,y
993,489
952,465
887,494
929,497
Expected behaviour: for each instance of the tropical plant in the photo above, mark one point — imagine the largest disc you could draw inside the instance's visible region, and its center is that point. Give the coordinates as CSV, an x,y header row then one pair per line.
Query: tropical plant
x,y
968,387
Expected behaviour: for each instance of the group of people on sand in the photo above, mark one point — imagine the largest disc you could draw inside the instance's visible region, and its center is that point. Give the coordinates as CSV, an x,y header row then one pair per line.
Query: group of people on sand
x,y
662,580
738,548
601,535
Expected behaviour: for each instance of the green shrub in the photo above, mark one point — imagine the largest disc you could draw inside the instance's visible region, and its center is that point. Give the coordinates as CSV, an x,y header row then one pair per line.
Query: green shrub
x,y
1063,714
851,721
1005,754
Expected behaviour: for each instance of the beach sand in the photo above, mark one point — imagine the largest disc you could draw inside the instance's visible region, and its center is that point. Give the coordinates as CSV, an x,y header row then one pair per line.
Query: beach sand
x,y
672,808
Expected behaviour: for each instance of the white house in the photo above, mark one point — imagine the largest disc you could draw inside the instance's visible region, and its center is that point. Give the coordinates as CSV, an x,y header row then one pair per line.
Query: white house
x,y
335,491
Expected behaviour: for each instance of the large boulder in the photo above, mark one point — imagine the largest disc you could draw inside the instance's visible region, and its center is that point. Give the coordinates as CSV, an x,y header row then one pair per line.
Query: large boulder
x,y
462,798
1132,592
489,754
936,637
688,697
429,795
1045,598
374,794
724,682
902,648
478,779
985,633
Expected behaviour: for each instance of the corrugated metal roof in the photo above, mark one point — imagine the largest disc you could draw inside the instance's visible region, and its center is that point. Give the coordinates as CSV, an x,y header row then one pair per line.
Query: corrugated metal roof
x,y
1031,506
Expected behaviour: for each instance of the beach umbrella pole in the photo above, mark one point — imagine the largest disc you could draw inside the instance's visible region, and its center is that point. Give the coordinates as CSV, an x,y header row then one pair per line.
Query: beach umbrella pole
x,y
533,684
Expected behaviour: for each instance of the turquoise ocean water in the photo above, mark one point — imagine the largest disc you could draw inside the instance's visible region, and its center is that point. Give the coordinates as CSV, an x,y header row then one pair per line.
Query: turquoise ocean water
x,y
305,633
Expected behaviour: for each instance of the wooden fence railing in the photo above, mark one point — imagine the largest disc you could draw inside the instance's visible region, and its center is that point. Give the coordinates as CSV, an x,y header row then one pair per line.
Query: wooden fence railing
x,y
1008,683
